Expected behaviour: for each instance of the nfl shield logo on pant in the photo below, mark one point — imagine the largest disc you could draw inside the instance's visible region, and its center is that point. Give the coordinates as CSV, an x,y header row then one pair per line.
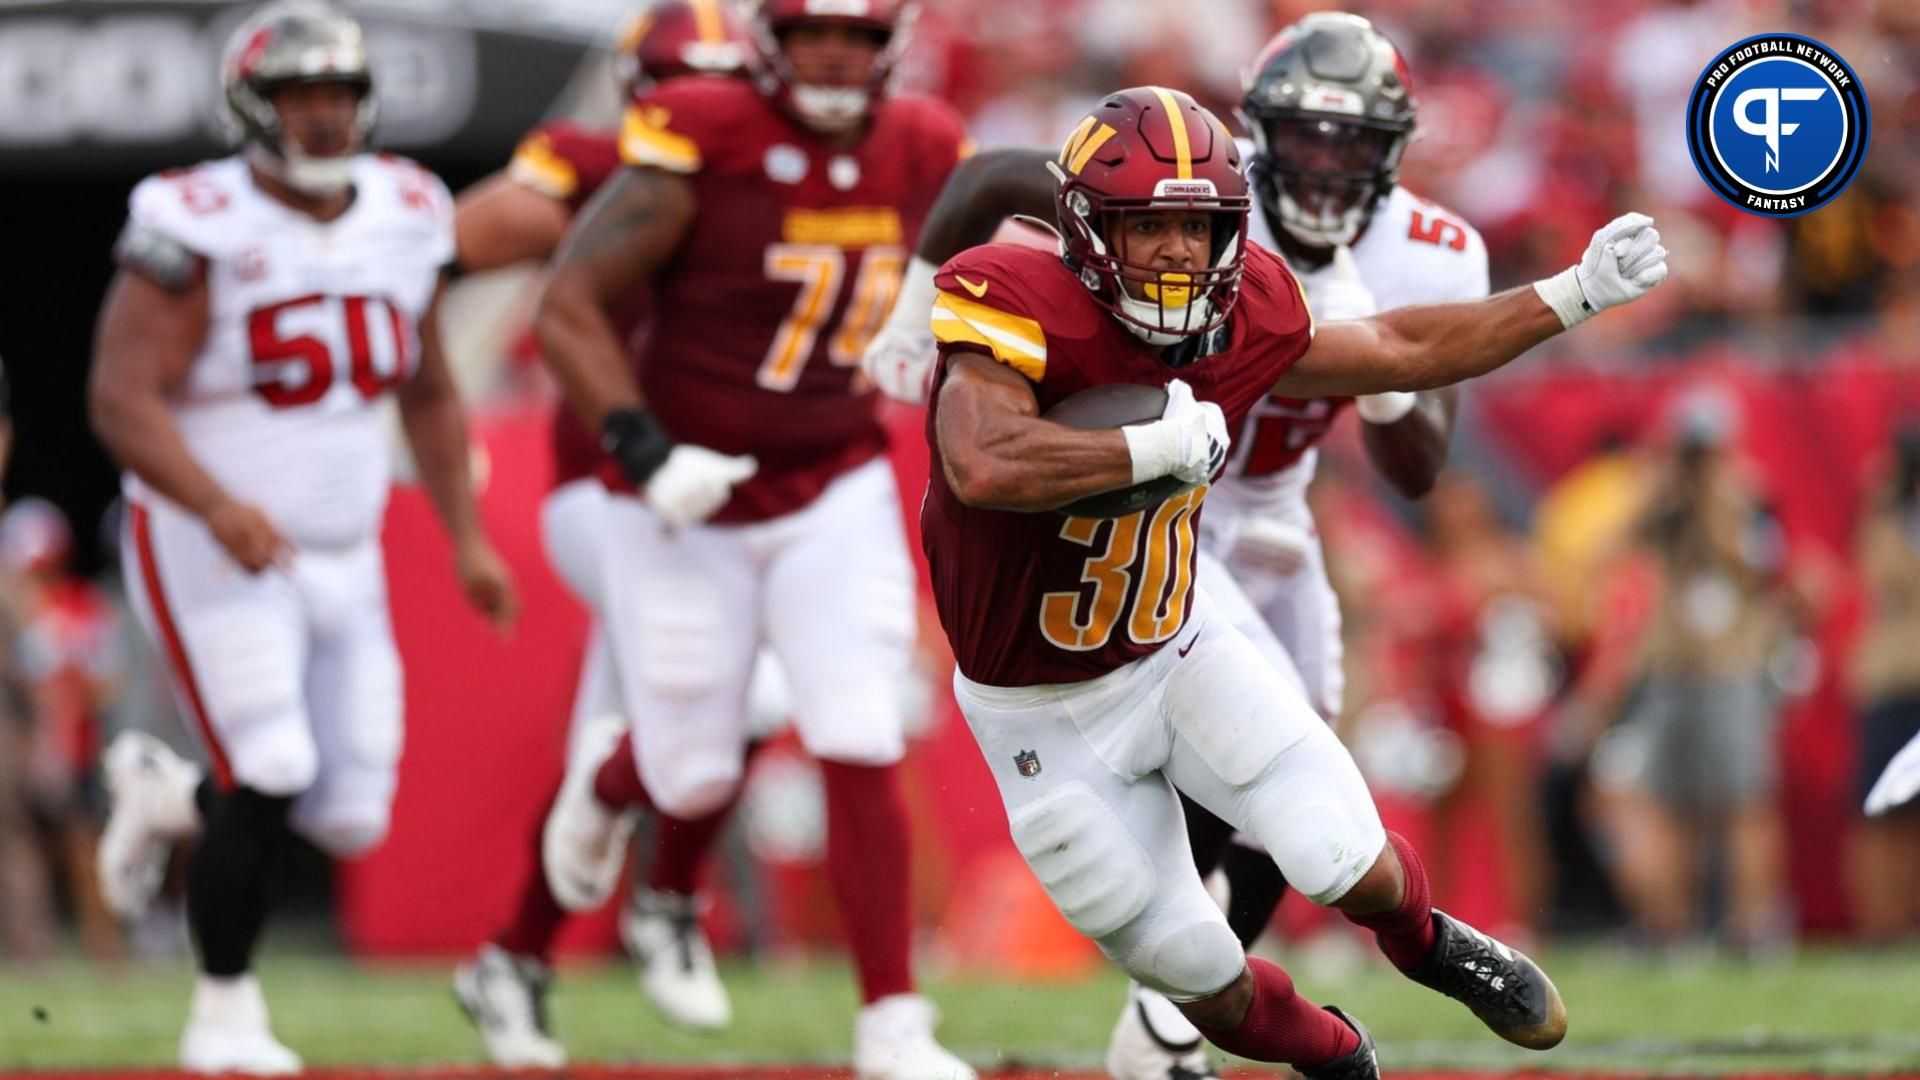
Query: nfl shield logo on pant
x,y
1028,763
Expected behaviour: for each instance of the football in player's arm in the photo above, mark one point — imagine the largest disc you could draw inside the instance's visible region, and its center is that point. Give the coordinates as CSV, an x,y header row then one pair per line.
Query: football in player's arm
x,y
1406,435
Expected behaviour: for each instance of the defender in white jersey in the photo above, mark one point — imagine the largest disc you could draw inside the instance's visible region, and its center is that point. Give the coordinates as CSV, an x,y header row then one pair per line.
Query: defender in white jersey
x,y
1329,105
265,304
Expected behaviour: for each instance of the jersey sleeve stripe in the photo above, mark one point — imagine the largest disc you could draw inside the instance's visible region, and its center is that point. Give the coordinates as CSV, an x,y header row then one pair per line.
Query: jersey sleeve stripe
x,y
644,143
1014,340
708,23
1182,148
537,166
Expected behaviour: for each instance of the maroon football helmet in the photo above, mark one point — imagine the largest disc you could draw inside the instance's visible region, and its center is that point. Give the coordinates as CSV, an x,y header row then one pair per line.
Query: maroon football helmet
x,y
679,37
1153,149
829,108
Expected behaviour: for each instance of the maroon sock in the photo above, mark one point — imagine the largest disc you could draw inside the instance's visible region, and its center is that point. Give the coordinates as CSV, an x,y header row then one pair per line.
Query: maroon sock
x,y
1282,1026
617,782
537,917
867,865
680,850
1406,933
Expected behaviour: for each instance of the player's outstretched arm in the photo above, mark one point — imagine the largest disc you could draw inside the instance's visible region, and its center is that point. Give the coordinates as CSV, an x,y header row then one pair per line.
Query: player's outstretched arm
x,y
620,241
983,191
999,453
501,221
143,347
1429,346
436,427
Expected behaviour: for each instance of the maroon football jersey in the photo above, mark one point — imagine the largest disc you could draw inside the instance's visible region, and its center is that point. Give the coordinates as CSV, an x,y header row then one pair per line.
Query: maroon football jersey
x,y
568,163
1032,598
790,266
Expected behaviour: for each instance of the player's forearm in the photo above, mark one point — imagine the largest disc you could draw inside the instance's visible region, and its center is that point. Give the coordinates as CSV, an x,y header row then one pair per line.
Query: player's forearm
x,y
984,191
139,433
1029,464
1411,451
1437,345
581,346
436,427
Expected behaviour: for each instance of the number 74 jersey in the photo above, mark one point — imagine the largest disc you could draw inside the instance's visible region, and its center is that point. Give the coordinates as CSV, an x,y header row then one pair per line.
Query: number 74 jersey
x,y
310,323
790,265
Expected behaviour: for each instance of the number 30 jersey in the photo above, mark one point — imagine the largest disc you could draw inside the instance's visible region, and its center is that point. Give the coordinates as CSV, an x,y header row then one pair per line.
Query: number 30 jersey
x,y
309,324
791,264
1030,598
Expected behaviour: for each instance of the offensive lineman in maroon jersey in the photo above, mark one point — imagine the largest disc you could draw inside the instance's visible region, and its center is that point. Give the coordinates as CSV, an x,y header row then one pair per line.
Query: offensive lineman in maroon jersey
x,y
772,222
1058,623
517,215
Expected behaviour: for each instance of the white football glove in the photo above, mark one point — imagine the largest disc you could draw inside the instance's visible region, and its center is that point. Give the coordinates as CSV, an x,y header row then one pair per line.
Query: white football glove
x,y
1623,262
900,358
1188,441
1272,545
695,482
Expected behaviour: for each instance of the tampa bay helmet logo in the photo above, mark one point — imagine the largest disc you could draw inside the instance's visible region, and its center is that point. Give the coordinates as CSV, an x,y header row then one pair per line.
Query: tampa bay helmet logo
x,y
1777,124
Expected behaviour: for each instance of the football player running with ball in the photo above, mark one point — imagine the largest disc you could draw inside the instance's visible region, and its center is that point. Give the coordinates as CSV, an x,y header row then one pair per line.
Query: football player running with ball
x,y
266,302
1330,103
1061,625
518,215
772,221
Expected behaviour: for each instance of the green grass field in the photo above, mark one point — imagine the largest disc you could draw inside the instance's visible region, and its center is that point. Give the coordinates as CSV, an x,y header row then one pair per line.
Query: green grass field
x,y
1827,1011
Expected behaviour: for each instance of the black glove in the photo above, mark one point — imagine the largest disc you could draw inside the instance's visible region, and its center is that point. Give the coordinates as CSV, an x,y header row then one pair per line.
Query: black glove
x,y
637,441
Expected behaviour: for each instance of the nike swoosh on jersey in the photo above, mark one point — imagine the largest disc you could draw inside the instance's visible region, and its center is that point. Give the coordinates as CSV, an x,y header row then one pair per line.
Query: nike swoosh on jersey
x,y
978,291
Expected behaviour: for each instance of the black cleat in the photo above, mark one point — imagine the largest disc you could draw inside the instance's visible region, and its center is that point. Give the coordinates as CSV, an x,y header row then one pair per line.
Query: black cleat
x,y
1507,991
1361,1064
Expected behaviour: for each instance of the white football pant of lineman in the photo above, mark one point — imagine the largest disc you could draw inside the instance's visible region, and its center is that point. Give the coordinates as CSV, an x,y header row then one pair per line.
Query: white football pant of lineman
x,y
676,970
292,677
828,589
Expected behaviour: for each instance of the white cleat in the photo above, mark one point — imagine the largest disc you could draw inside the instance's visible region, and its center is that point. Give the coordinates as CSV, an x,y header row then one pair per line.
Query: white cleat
x,y
1154,1040
584,844
506,998
152,795
227,1031
662,934
893,1040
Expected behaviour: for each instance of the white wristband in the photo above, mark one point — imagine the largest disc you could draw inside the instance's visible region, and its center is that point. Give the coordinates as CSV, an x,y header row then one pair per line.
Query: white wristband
x,y
1388,408
913,304
1563,294
1154,447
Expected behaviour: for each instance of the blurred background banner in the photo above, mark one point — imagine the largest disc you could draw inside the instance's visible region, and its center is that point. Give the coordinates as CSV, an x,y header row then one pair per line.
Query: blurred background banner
x,y
133,87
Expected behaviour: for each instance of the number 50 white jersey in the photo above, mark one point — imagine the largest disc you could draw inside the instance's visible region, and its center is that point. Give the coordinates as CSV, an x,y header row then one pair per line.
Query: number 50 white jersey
x,y
310,323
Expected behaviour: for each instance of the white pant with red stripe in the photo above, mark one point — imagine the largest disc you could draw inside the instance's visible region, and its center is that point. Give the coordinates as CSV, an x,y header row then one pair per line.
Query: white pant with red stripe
x,y
828,589
290,676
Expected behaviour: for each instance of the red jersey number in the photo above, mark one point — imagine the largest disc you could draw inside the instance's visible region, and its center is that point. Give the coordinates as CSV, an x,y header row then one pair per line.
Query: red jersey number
x,y
819,270
1438,231
294,366
1280,430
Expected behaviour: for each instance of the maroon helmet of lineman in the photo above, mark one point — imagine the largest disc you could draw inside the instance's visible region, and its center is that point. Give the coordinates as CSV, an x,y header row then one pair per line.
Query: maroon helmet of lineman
x,y
678,37
1142,150
846,103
